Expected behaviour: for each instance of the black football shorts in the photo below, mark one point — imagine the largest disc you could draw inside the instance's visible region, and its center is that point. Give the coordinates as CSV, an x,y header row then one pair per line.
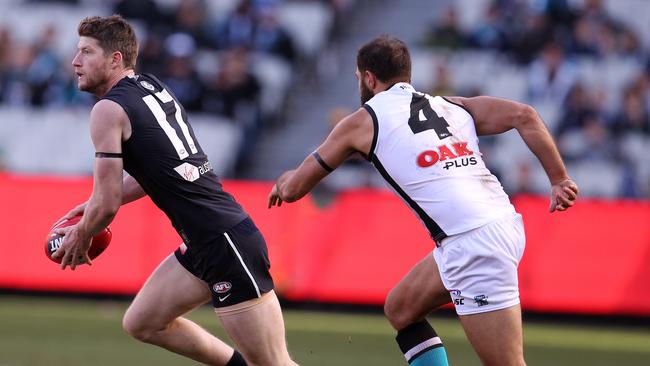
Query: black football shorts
x,y
235,265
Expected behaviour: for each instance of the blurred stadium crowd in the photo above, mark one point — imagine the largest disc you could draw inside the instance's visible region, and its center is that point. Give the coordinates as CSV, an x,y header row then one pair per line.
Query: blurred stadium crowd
x,y
582,63
229,60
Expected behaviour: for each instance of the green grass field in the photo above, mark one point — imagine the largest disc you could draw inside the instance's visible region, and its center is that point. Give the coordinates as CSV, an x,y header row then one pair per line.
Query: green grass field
x,y
65,332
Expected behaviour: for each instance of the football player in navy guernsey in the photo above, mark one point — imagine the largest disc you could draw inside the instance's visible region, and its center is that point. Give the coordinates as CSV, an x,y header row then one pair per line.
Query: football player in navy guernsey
x,y
138,126
427,149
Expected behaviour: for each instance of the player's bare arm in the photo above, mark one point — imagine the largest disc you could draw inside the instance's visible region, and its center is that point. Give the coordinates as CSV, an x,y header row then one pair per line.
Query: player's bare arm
x,y
108,128
494,115
353,134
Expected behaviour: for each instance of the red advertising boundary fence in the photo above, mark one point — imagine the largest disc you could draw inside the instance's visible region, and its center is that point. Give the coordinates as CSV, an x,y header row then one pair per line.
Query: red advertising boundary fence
x,y
594,259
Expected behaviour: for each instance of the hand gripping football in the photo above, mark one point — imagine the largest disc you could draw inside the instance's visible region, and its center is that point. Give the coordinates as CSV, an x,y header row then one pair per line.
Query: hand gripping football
x,y
98,244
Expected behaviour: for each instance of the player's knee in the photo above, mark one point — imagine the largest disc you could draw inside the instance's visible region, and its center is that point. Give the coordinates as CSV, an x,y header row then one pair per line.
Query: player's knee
x,y
396,314
139,329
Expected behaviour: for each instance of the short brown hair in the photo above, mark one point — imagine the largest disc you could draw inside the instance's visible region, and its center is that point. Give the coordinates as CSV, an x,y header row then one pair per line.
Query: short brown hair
x,y
387,57
114,34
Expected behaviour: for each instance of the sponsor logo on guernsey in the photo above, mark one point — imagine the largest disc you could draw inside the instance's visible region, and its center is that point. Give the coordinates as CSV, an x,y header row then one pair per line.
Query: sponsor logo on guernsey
x,y
147,85
222,287
191,173
449,154
188,171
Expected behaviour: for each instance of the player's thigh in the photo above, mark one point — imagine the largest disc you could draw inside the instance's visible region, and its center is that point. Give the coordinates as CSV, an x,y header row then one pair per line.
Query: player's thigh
x,y
257,328
417,294
169,292
496,336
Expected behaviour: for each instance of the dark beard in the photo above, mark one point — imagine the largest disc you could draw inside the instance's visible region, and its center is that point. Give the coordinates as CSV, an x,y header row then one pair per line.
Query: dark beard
x,y
365,93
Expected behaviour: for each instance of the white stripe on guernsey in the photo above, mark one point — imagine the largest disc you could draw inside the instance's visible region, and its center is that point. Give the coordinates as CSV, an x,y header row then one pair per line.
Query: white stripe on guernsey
x,y
161,118
186,131
165,97
422,346
257,289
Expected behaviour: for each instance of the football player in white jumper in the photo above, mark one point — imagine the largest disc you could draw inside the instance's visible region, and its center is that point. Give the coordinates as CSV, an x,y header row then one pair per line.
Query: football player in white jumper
x,y
427,149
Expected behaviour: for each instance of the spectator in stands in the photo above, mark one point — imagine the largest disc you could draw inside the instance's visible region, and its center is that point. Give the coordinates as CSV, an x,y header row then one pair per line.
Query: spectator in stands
x,y
5,47
592,142
529,41
269,37
551,76
576,108
234,93
43,71
559,13
445,33
151,57
594,11
630,44
144,10
180,74
584,39
633,118
595,33
190,19
184,81
489,34
14,89
5,58
443,84
233,84
238,29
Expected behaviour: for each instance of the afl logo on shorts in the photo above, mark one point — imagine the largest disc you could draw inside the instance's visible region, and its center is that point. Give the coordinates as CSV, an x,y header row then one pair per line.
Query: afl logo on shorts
x,y
222,287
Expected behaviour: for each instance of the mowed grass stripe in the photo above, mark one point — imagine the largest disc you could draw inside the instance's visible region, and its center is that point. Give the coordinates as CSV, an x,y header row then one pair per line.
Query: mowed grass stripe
x,y
551,335
69,332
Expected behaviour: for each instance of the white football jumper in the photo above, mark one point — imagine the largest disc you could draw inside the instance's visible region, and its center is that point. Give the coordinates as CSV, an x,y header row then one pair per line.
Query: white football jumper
x,y
427,150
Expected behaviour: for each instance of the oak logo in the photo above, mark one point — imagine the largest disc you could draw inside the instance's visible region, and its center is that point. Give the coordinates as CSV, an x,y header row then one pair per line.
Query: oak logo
x,y
428,158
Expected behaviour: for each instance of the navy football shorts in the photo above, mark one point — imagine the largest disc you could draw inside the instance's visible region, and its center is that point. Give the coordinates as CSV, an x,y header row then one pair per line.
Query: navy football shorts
x,y
235,265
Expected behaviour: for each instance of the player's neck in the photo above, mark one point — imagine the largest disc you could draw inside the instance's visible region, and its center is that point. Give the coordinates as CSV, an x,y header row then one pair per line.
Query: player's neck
x,y
114,80
382,86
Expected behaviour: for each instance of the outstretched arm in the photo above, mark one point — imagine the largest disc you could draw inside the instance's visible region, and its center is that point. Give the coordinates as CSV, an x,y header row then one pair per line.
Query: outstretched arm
x,y
353,134
495,115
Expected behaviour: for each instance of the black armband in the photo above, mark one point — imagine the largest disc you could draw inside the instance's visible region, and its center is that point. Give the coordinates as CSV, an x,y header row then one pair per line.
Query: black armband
x,y
108,155
322,162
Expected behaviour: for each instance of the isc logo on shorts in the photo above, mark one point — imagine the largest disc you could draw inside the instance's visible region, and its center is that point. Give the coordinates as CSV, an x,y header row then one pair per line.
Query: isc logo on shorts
x,y
456,297
222,287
